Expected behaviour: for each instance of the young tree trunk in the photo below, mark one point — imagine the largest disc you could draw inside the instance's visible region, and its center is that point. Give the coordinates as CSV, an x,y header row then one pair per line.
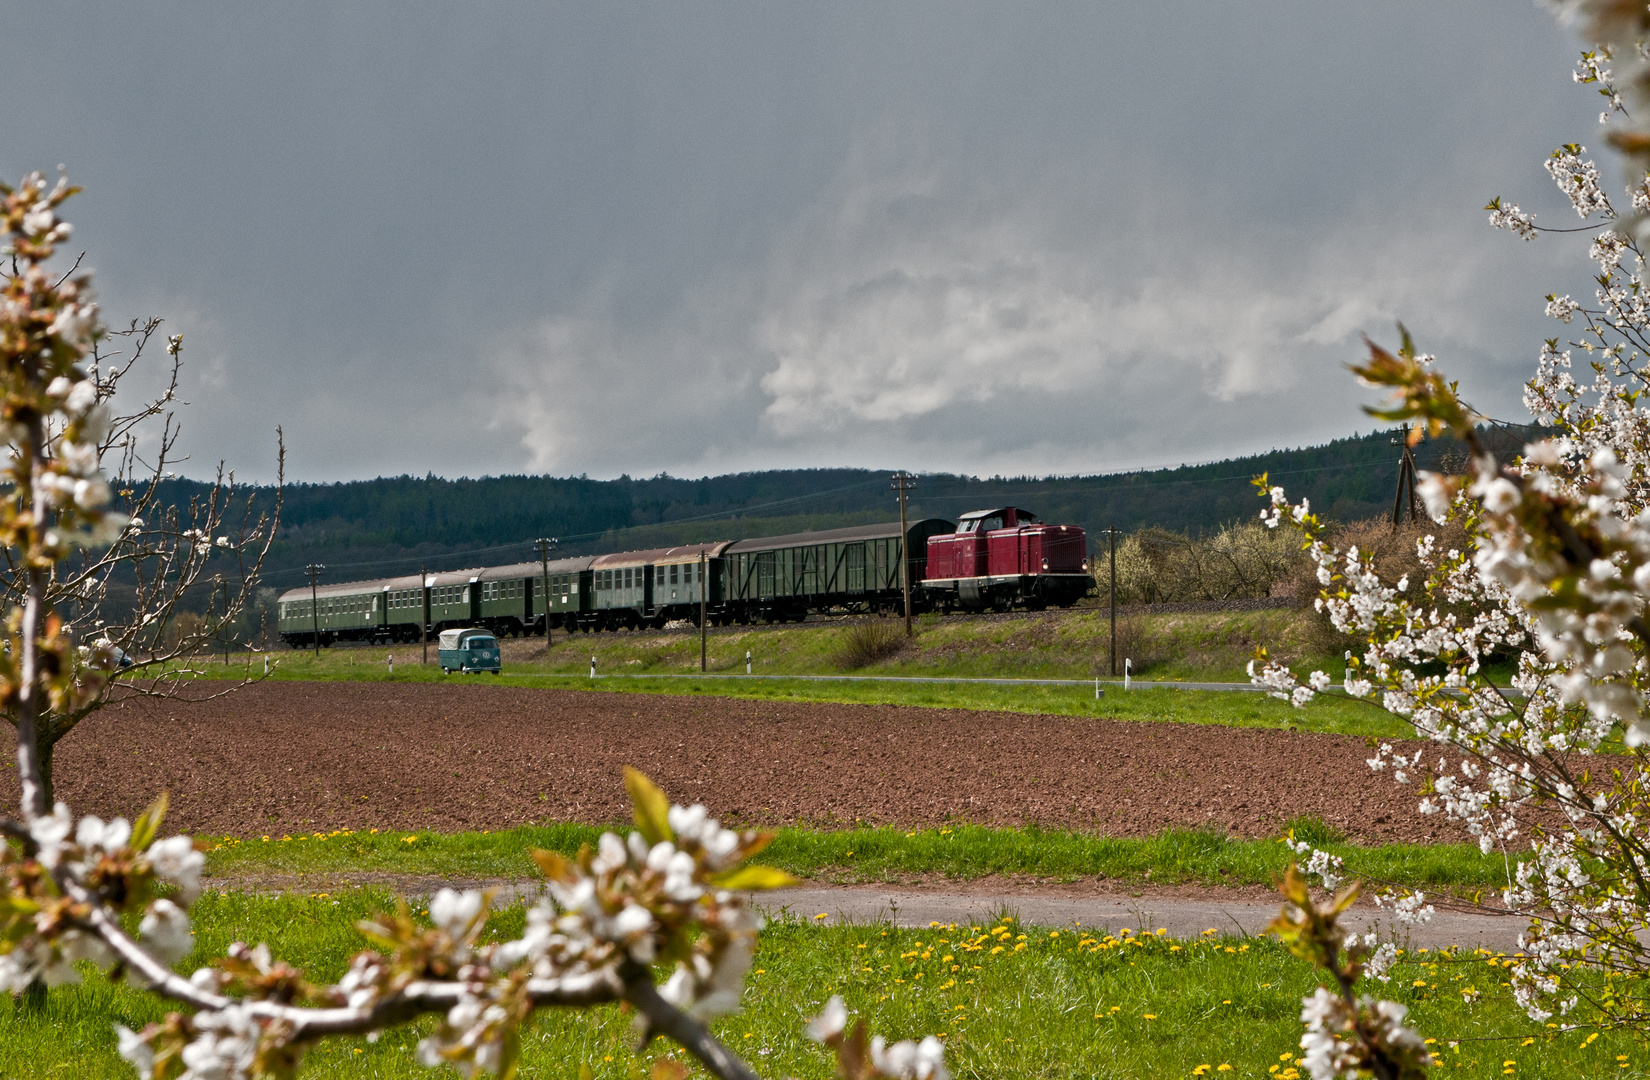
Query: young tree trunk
x,y
47,740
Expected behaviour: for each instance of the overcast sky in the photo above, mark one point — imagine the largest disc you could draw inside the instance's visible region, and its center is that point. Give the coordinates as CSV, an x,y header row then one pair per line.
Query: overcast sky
x,y
695,238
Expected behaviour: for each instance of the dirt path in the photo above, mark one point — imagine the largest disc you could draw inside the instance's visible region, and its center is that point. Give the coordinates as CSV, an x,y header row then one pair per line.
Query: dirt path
x,y
284,756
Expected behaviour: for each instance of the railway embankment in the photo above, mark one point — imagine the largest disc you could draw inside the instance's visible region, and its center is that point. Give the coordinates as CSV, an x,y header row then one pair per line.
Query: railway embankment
x,y
1204,642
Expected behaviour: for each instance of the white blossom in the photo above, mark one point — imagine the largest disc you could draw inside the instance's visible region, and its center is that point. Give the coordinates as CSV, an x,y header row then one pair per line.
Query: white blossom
x,y
831,1021
176,860
136,1050
166,933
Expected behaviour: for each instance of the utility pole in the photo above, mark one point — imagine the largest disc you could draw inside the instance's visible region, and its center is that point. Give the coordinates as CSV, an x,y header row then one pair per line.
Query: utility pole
x,y
424,602
704,604
1406,476
903,482
1113,537
545,543
314,571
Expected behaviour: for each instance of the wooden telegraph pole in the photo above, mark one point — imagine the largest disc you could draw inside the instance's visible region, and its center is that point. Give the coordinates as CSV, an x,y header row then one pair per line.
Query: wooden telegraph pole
x,y
424,602
545,543
1406,478
704,603
903,482
1113,537
314,571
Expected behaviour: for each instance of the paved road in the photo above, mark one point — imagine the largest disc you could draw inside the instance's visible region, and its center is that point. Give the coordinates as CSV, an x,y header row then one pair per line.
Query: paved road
x,y
1182,918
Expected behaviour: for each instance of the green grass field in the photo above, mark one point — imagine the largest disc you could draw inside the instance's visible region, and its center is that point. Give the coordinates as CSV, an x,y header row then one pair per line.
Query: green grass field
x,y
1017,1002
1330,713
871,855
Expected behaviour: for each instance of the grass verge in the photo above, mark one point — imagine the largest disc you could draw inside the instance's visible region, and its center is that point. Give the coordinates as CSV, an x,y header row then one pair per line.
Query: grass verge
x,y
1009,1002
848,856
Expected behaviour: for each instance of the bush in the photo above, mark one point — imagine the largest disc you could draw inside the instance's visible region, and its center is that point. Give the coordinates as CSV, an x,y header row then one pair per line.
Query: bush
x,y
1243,561
871,642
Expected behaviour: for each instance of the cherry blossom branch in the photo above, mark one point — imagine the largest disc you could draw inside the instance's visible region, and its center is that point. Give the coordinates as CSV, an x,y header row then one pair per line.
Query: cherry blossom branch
x,y
666,1019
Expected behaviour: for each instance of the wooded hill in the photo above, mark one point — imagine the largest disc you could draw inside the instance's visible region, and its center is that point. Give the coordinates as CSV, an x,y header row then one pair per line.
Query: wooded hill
x,y
374,528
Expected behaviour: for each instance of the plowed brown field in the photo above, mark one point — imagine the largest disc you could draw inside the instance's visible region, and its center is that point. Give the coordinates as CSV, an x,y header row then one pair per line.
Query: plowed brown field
x,y
285,756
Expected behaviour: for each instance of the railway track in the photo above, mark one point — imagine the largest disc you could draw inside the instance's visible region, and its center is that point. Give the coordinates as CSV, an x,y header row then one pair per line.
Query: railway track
x,y
1088,607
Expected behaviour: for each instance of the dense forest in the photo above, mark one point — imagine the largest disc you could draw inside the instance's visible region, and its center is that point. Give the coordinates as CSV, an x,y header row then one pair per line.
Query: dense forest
x,y
392,525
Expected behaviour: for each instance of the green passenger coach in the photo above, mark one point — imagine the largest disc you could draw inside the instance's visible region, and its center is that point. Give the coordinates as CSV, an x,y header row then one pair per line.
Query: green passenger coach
x,y
350,612
512,597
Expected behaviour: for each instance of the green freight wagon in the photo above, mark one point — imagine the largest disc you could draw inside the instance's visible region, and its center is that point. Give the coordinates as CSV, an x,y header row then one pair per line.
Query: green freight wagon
x,y
857,569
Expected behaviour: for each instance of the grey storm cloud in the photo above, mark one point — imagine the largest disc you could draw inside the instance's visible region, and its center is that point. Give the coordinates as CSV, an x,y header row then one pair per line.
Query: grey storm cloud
x,y
694,238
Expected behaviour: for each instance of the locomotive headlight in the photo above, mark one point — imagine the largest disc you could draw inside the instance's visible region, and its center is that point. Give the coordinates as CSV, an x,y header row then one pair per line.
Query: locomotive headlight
x,y
1045,565
1085,566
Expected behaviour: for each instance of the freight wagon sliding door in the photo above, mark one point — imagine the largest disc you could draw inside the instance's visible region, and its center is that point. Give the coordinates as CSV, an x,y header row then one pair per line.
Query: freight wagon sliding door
x,y
764,574
855,555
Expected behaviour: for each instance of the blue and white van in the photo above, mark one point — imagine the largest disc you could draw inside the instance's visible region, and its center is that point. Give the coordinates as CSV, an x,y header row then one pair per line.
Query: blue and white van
x,y
468,650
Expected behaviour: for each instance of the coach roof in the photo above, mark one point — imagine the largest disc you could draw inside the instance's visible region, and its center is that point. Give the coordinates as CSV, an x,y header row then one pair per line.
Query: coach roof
x,y
850,535
537,569
684,553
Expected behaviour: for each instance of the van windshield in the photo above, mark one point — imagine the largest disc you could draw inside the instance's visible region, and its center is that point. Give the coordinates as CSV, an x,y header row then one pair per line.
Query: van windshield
x,y
480,643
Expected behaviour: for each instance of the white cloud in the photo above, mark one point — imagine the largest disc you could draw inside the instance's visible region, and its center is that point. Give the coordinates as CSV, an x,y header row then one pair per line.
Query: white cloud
x,y
906,317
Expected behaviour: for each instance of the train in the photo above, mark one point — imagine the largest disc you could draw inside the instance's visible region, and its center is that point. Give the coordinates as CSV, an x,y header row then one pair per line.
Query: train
x,y
998,559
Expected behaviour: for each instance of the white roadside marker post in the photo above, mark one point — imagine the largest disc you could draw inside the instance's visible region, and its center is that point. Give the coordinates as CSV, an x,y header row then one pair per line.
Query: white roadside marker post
x,y
1127,665
592,667
747,661
391,658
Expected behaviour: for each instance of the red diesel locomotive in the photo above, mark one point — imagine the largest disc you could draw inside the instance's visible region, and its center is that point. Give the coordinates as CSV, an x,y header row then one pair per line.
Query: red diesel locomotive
x,y
1006,558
